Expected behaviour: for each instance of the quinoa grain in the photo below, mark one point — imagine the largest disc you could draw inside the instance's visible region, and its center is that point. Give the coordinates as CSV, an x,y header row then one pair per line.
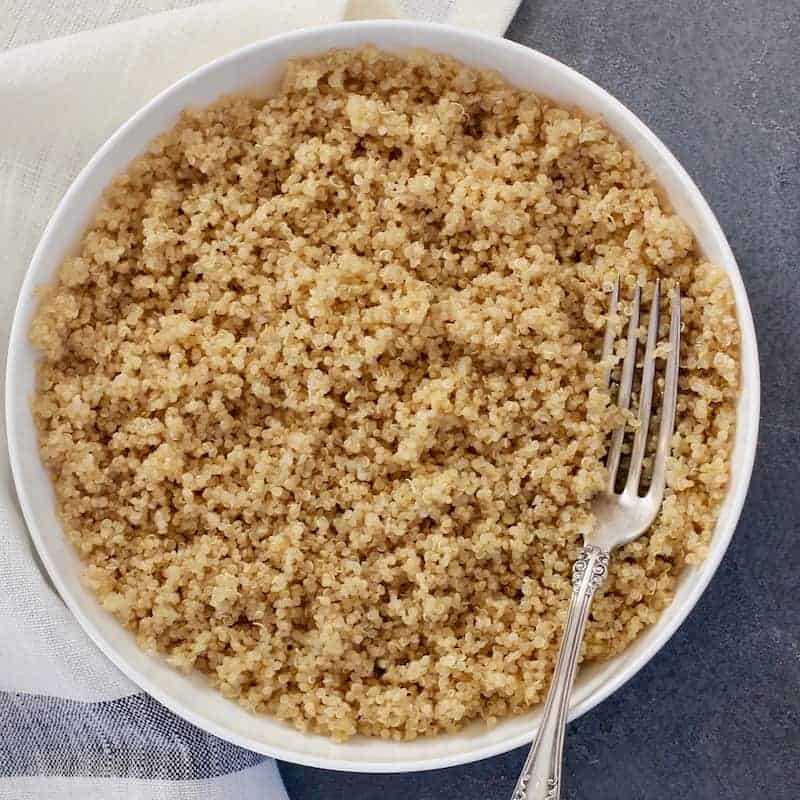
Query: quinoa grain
x,y
320,399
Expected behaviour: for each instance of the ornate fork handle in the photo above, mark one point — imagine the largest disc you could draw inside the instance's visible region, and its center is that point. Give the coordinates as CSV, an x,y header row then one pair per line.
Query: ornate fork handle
x,y
541,775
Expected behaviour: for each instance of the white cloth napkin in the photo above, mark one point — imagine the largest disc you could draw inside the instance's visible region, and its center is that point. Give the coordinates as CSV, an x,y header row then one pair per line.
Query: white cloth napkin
x,y
72,726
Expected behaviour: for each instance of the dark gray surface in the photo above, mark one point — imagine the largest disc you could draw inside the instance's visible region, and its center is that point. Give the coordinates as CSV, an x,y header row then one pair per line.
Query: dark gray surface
x,y
717,713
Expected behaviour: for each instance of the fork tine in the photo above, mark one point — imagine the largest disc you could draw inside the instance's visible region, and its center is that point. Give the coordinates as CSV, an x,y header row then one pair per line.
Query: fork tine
x,y
667,427
625,384
645,396
610,335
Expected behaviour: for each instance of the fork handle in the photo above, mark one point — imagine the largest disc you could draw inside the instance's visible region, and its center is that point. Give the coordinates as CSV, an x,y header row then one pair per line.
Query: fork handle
x,y
541,775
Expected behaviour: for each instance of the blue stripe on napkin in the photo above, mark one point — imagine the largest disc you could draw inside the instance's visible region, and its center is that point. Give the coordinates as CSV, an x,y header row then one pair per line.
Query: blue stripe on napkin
x,y
133,737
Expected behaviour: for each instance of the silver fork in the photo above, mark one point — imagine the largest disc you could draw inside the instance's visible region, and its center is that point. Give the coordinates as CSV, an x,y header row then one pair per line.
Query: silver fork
x,y
621,517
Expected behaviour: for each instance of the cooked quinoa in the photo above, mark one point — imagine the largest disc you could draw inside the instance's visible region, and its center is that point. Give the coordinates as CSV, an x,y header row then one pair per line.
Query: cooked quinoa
x,y
321,402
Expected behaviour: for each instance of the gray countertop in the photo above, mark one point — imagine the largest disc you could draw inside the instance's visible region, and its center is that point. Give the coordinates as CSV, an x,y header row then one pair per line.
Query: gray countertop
x,y
716,714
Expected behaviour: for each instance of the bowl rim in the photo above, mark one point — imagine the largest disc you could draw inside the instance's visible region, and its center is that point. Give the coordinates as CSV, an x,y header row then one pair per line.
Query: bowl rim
x,y
667,623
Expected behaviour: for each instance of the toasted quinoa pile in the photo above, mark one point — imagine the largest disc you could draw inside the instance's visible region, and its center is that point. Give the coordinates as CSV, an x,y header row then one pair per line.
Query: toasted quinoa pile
x,y
321,401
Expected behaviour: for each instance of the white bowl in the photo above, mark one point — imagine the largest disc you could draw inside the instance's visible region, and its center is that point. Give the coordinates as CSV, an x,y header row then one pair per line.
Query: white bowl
x,y
191,696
